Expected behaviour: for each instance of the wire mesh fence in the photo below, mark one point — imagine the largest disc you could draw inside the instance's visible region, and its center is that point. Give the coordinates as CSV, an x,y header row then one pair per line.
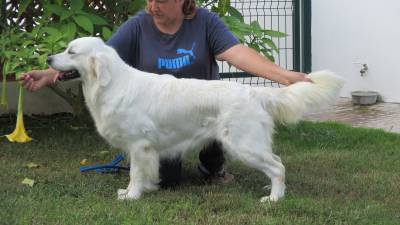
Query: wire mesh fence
x,y
275,15
278,15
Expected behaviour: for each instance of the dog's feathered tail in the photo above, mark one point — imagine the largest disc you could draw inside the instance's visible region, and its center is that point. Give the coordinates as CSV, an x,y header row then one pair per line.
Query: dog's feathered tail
x,y
289,104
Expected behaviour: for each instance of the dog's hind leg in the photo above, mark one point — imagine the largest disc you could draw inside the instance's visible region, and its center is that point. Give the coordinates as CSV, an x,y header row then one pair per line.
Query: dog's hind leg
x,y
270,166
251,144
276,172
144,166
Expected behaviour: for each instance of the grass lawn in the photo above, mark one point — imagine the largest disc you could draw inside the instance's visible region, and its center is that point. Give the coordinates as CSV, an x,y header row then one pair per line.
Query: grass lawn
x,y
335,175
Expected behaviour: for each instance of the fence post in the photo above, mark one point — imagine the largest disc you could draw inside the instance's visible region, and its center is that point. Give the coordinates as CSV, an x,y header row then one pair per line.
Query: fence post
x,y
302,33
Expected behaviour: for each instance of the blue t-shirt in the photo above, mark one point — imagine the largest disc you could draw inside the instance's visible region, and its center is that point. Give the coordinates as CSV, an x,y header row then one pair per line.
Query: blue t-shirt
x,y
189,53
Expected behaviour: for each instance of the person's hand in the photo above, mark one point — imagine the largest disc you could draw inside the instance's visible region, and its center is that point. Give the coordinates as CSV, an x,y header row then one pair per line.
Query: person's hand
x,y
36,79
294,77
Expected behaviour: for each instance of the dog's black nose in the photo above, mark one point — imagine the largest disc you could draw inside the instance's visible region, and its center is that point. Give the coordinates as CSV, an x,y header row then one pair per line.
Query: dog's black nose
x,y
49,60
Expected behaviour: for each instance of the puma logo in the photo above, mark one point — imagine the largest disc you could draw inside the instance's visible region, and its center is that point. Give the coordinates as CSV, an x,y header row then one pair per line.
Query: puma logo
x,y
184,51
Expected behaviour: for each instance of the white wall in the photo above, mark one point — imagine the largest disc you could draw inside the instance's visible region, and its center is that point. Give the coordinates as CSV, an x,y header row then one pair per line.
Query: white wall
x,y
348,32
43,101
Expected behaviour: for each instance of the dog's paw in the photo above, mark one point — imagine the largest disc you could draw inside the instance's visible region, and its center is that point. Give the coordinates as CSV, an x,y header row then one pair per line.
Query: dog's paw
x,y
269,199
124,194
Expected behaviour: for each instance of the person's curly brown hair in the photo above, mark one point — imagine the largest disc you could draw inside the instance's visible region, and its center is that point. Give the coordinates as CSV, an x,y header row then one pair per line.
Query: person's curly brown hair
x,y
188,9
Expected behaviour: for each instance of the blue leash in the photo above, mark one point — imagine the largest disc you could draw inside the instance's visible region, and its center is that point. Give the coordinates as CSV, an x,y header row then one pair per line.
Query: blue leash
x,y
112,167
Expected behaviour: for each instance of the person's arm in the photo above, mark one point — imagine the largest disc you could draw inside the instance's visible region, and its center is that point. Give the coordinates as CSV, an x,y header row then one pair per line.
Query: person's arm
x,y
36,79
250,61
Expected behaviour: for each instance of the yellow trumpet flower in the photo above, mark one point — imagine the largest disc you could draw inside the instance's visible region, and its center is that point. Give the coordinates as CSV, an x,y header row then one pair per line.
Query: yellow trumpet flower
x,y
19,134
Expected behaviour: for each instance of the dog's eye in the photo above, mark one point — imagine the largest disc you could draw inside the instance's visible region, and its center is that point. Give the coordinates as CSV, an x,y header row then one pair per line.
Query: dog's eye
x,y
71,52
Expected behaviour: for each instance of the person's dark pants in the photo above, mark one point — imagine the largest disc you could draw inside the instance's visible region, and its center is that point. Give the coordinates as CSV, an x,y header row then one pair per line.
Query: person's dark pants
x,y
211,157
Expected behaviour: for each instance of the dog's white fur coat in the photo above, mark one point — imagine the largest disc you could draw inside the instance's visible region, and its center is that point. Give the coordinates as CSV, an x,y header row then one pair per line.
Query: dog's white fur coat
x,y
152,116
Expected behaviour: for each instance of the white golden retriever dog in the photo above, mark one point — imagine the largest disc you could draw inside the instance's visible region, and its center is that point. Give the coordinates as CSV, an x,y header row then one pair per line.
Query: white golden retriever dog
x,y
152,116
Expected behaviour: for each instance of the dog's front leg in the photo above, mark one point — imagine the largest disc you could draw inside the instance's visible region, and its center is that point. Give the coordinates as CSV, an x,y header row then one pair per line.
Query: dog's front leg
x,y
144,165
134,189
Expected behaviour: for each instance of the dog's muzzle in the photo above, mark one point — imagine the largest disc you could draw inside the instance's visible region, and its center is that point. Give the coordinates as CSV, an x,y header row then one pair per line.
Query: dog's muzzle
x,y
68,75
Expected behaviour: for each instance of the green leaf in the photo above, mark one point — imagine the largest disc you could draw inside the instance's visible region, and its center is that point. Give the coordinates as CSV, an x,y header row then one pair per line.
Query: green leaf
x,y
255,47
256,28
55,9
268,54
9,54
6,68
97,20
52,39
76,5
27,42
235,13
13,65
273,33
65,15
255,25
239,29
42,60
35,31
84,22
62,44
271,44
235,24
69,31
51,31
106,33
223,6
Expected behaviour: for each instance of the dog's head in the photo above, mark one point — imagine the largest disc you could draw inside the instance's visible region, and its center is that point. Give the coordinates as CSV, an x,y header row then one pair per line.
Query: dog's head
x,y
90,56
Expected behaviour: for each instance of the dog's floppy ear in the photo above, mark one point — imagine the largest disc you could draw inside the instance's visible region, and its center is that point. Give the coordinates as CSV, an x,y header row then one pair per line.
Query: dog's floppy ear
x,y
100,65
